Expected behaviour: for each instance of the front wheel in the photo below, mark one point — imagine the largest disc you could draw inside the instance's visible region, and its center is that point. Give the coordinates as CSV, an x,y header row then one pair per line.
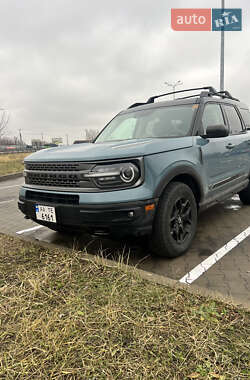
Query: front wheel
x,y
175,222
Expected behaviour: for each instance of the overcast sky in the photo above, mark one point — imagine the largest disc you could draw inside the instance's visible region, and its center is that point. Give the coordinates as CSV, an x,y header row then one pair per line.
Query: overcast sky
x,y
70,65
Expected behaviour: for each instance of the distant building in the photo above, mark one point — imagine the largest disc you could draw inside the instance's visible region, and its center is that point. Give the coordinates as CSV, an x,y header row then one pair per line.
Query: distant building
x,y
57,140
36,143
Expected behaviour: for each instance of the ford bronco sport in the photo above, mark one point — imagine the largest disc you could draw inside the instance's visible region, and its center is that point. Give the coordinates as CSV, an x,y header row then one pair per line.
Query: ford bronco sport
x,y
148,172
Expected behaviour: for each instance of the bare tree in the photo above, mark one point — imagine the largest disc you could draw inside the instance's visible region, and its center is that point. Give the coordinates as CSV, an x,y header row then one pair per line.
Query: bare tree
x,y
91,134
4,119
9,141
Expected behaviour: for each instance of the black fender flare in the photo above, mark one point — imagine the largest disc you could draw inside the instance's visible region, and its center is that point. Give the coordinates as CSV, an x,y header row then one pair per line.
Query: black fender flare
x,y
176,171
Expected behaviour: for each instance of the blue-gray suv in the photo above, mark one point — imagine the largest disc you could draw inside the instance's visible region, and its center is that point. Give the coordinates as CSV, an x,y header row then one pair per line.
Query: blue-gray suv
x,y
148,172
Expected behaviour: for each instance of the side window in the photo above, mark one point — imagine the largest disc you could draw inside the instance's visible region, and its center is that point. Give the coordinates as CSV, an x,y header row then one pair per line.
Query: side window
x,y
212,115
246,117
233,119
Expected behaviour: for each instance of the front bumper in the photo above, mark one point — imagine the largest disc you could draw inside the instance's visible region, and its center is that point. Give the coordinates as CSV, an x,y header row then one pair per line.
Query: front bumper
x,y
118,219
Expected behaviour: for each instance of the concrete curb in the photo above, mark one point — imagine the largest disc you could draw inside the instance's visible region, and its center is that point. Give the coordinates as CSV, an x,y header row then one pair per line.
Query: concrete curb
x,y
10,176
152,277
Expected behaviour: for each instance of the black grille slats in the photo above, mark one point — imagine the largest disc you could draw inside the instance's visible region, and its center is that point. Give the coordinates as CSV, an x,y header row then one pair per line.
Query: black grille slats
x,y
58,174
53,179
53,166
52,198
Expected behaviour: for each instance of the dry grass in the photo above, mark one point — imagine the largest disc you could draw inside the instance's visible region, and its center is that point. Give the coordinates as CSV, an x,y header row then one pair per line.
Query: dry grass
x,y
64,317
11,163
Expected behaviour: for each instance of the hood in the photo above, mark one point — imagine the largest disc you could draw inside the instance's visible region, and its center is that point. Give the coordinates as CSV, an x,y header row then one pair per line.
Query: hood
x,y
111,150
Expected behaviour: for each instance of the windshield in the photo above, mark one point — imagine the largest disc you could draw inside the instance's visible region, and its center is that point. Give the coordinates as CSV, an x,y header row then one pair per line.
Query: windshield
x,y
174,121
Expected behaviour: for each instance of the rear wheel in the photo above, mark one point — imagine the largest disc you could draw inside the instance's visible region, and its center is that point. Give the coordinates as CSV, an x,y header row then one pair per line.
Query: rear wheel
x,y
245,195
176,221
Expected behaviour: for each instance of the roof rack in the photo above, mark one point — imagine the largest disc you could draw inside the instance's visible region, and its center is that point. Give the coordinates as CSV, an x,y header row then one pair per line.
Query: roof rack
x,y
226,94
136,105
210,89
201,95
210,92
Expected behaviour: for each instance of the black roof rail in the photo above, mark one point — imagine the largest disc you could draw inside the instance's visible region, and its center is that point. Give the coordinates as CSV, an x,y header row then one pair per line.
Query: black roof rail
x,y
204,94
226,94
210,92
209,88
190,96
136,105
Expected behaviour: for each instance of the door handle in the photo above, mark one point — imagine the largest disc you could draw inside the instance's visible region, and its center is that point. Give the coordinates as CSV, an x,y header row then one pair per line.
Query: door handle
x,y
230,146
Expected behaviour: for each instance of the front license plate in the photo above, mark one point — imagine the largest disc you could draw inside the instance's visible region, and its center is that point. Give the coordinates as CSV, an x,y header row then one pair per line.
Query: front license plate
x,y
46,213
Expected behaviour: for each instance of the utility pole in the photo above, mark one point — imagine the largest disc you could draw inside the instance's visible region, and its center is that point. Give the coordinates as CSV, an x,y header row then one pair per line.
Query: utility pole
x,y
42,136
222,51
67,137
174,85
20,136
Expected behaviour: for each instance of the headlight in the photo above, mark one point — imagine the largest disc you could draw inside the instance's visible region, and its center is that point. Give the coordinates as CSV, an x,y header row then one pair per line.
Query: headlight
x,y
124,174
127,174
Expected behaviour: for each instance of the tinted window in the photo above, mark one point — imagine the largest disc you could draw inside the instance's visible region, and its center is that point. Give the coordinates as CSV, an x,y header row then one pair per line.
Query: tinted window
x,y
212,116
233,119
246,117
154,122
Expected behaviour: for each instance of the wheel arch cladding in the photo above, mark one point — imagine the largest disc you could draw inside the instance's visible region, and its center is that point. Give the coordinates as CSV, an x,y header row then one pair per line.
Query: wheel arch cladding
x,y
185,175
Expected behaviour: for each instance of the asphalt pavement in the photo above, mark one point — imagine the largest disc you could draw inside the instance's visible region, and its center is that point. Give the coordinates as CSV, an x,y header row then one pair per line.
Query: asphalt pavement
x,y
219,259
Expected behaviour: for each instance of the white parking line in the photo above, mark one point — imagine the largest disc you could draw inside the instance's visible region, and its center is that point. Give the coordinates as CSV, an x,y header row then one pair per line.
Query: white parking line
x,y
3,202
9,187
29,230
214,258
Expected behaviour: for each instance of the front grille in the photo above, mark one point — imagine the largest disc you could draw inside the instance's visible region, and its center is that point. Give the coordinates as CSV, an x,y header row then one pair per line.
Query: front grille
x,y
53,166
53,179
68,199
58,174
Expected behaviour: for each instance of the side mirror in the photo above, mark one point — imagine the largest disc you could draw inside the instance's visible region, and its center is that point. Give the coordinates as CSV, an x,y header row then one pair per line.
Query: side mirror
x,y
219,130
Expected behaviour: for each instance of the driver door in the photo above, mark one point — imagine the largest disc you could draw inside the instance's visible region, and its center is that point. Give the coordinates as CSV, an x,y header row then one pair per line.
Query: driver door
x,y
216,156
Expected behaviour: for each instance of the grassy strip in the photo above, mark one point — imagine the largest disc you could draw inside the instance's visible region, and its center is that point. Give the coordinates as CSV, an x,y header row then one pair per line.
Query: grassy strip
x,y
11,163
65,317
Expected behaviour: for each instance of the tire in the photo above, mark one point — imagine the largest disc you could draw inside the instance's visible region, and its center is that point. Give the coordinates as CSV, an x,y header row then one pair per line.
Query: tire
x,y
176,221
245,195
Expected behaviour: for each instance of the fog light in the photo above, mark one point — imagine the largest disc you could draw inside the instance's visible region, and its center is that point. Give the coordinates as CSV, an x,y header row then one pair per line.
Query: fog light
x,y
131,214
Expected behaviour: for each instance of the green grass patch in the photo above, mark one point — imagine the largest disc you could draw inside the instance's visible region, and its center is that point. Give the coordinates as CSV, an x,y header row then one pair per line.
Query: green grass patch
x,y
11,163
65,317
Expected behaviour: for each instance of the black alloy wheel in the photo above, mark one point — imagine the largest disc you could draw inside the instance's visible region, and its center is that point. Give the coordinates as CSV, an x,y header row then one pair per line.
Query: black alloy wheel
x,y
181,220
175,222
